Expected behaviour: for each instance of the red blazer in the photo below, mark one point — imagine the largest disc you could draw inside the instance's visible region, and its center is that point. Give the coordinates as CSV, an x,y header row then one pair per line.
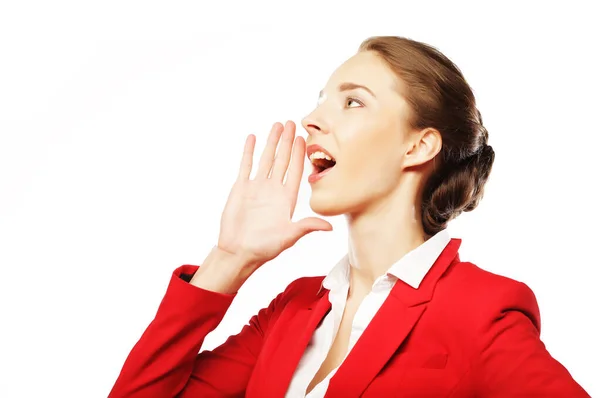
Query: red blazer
x,y
464,332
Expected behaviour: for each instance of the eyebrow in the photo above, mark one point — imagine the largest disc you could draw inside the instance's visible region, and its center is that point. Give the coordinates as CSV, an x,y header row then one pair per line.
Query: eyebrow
x,y
351,86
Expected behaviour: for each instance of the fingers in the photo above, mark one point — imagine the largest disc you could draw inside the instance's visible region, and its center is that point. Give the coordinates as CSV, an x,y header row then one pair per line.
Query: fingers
x,y
294,175
246,163
266,159
282,159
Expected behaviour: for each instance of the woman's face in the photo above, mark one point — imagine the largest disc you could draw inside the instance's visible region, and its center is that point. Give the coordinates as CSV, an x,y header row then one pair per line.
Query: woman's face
x,y
365,129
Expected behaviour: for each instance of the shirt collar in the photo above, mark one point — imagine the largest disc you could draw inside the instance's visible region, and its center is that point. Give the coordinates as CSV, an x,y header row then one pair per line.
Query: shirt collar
x,y
411,268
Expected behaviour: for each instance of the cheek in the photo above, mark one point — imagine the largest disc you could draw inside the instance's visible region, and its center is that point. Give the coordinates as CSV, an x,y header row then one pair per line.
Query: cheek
x,y
365,174
371,158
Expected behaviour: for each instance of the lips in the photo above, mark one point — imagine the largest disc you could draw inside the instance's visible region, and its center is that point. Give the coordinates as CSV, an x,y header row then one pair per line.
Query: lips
x,y
322,161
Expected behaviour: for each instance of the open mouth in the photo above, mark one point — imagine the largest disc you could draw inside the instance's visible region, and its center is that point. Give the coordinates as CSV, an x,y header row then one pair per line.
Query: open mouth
x,y
321,162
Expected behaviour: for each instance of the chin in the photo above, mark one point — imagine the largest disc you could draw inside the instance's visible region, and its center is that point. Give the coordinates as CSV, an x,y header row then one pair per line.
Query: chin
x,y
326,205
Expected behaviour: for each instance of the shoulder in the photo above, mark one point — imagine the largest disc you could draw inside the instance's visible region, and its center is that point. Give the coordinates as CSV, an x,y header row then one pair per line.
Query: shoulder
x,y
481,296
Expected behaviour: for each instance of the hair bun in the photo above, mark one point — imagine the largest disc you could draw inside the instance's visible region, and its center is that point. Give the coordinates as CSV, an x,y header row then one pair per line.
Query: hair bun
x,y
480,170
457,188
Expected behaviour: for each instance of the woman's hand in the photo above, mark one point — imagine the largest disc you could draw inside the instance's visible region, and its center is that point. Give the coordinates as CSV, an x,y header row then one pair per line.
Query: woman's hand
x,y
256,224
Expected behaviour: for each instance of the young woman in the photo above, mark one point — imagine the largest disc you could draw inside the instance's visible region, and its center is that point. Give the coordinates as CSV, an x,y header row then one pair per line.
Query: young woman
x,y
397,146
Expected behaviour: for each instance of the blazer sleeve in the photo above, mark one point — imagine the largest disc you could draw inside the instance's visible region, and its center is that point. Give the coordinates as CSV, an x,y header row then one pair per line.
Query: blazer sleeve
x,y
512,360
165,360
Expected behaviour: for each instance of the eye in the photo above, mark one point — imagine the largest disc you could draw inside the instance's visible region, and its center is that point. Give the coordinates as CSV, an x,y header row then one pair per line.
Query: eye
x,y
349,100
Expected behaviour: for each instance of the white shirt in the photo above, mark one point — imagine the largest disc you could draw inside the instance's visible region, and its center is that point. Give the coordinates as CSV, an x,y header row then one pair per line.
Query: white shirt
x,y
411,269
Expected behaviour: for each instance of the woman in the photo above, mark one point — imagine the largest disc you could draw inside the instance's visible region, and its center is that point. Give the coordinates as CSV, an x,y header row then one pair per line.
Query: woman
x,y
398,146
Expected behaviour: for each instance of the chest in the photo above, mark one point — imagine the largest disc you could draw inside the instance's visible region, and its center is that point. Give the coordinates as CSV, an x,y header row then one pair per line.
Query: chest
x,y
339,347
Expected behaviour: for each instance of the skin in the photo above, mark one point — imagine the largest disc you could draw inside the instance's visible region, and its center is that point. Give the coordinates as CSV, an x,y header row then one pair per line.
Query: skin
x,y
381,166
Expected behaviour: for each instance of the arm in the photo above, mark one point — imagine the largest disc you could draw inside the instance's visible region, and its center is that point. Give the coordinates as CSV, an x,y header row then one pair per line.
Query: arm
x,y
513,361
255,228
165,361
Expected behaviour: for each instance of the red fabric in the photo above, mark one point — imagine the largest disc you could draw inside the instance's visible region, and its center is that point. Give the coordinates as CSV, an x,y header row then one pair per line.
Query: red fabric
x,y
464,332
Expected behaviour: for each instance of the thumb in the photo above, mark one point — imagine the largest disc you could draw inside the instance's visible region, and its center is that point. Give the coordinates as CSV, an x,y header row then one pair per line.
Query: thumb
x,y
310,224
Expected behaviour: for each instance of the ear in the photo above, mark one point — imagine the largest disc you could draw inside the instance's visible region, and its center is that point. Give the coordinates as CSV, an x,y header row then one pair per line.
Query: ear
x,y
424,146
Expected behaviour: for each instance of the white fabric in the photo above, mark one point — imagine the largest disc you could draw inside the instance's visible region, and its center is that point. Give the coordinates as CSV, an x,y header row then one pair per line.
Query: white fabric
x,y
411,269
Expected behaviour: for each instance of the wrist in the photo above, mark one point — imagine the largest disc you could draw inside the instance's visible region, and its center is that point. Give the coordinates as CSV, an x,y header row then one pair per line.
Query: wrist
x,y
238,261
222,272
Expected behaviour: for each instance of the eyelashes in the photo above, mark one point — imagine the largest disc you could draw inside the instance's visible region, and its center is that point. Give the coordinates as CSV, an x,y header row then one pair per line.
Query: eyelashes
x,y
352,99
346,101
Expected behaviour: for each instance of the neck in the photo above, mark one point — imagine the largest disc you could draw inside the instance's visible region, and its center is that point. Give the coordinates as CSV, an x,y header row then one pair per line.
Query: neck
x,y
379,236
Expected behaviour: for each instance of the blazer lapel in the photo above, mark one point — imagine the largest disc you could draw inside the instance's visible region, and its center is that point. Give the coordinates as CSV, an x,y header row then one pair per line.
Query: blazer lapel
x,y
387,330
291,346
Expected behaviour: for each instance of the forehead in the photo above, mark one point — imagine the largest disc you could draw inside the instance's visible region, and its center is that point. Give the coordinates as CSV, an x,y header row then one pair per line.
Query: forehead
x,y
368,69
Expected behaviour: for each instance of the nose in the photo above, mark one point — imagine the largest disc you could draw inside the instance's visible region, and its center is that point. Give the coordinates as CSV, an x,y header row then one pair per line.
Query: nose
x,y
312,125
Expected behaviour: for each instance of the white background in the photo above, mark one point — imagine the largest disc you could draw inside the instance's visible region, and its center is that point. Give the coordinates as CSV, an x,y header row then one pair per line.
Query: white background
x,y
121,129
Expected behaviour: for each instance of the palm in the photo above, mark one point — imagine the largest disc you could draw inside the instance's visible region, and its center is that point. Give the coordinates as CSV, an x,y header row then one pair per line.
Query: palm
x,y
255,216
